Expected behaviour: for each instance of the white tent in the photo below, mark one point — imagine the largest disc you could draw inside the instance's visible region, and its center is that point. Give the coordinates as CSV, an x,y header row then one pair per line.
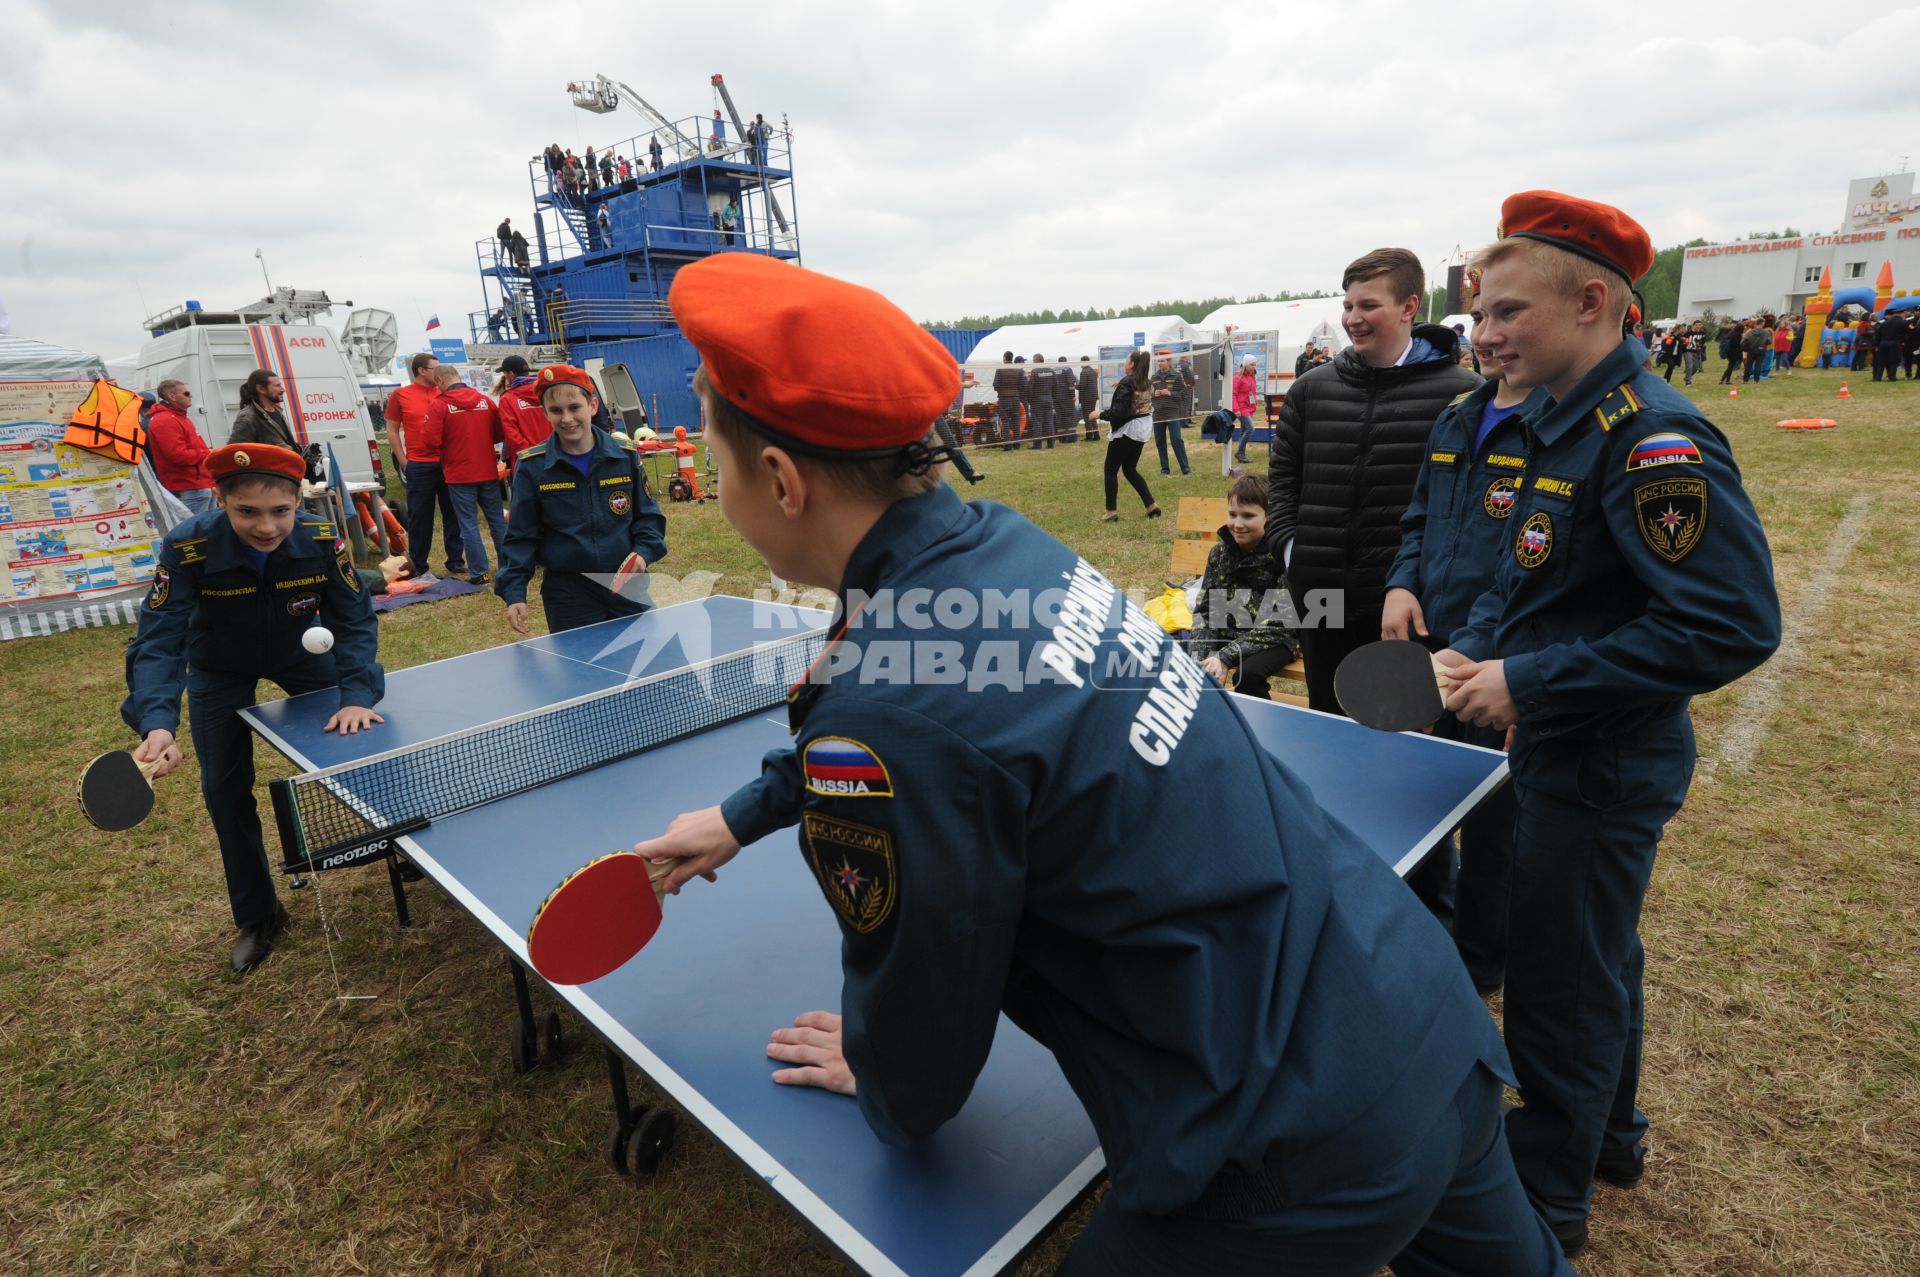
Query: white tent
x,y
1315,319
1077,338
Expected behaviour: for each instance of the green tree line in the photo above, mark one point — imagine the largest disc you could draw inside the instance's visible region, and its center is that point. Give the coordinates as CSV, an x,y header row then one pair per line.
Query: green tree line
x,y
1660,286
1191,311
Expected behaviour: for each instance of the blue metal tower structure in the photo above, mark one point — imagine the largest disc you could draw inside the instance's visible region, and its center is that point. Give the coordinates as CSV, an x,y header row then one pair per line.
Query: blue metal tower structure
x,y
600,261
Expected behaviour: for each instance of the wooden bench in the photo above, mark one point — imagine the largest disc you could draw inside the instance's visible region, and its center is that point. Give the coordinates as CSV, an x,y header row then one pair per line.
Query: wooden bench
x,y
1205,515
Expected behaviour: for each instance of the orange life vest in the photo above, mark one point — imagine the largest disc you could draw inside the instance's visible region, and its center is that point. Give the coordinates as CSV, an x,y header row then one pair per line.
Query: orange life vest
x,y
108,422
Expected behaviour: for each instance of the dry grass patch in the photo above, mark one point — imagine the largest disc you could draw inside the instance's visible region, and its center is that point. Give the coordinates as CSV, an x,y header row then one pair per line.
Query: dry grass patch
x,y
162,1117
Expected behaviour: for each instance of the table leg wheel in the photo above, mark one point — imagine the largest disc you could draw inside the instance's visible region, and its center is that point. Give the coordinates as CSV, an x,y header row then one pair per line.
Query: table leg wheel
x,y
650,1141
525,1045
552,1042
613,1147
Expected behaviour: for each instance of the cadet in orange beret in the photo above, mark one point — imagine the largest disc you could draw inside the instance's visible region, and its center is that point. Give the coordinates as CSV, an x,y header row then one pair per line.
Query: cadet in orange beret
x,y
580,510
1636,577
982,794
235,592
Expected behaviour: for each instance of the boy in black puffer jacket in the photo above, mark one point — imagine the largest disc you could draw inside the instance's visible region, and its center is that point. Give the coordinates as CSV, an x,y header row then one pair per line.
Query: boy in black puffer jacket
x,y
1242,624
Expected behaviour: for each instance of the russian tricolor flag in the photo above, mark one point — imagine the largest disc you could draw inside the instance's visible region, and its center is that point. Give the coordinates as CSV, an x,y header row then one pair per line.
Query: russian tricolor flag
x,y
433,322
845,768
1662,449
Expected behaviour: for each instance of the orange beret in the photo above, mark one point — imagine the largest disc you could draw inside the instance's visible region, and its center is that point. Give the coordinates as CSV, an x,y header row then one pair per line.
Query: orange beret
x,y
256,458
1600,233
564,375
832,366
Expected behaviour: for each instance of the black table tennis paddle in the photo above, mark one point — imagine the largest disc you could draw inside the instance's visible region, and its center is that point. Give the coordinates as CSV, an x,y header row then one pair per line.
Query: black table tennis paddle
x,y
116,792
1392,686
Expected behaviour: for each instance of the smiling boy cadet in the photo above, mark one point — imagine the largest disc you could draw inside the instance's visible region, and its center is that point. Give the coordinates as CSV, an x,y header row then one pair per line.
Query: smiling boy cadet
x,y
580,507
1287,1068
235,590
1636,576
1452,537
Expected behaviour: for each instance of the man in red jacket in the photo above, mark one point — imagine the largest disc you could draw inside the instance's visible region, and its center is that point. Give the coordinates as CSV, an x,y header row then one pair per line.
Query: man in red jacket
x,y
179,453
463,427
420,471
522,420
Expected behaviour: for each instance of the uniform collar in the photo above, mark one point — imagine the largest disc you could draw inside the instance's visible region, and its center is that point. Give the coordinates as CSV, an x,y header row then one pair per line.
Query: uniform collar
x,y
603,446
898,536
225,549
1557,417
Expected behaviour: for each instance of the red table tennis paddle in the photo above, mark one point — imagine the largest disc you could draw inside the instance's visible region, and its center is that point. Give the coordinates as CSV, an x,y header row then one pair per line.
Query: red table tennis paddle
x,y
630,567
1392,685
116,792
601,915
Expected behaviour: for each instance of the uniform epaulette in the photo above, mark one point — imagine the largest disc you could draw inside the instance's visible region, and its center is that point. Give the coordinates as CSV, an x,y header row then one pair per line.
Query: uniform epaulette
x,y
321,530
1459,398
192,550
1617,407
538,449
628,445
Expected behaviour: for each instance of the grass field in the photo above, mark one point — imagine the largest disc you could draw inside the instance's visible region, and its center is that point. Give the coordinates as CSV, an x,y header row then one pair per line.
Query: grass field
x,y
164,1117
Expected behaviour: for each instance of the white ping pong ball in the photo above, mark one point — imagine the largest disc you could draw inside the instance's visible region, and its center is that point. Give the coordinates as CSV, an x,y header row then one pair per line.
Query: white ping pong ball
x,y
317,639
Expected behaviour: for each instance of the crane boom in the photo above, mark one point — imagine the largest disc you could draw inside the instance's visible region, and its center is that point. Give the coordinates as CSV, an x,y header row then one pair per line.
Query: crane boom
x,y
602,94
740,131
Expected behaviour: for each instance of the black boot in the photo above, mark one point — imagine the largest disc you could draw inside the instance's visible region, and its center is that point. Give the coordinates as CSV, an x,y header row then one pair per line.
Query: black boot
x,y
256,942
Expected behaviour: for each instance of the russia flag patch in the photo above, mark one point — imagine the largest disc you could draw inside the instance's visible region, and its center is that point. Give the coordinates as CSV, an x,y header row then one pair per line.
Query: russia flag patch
x,y
841,768
1664,449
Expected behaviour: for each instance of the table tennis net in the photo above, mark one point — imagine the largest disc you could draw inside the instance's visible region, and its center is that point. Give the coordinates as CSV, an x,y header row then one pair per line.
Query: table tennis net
x,y
348,814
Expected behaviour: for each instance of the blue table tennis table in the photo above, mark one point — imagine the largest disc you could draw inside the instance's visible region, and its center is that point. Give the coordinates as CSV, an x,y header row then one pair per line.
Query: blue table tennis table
x,y
736,960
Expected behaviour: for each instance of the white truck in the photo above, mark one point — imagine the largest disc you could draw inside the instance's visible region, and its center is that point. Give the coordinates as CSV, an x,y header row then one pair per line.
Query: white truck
x,y
213,352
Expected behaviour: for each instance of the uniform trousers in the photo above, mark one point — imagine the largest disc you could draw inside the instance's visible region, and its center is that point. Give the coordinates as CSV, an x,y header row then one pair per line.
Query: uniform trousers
x,y
1174,429
1040,423
1590,815
1009,423
224,744
1452,1206
572,600
1483,883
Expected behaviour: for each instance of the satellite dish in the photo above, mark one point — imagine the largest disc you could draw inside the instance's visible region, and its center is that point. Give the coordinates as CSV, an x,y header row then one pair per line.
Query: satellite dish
x,y
371,339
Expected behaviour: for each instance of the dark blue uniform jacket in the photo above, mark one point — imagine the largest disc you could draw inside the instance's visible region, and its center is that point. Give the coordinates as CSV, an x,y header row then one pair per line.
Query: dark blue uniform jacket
x,y
569,523
1001,808
1463,500
209,608
1636,573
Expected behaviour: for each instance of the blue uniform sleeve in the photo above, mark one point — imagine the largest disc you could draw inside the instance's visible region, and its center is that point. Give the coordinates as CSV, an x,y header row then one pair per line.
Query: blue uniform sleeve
x,y
1689,532
769,802
928,882
1405,572
356,634
647,531
157,657
1474,640
523,536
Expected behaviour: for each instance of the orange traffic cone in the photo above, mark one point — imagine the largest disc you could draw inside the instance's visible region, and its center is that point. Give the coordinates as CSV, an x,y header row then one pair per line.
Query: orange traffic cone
x,y
1844,393
1733,393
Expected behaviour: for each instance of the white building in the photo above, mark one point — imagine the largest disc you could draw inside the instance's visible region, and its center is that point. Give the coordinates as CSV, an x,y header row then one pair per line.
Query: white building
x,y
1881,226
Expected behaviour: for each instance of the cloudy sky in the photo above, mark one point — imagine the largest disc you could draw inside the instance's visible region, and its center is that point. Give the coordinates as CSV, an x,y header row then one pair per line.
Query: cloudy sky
x,y
963,158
